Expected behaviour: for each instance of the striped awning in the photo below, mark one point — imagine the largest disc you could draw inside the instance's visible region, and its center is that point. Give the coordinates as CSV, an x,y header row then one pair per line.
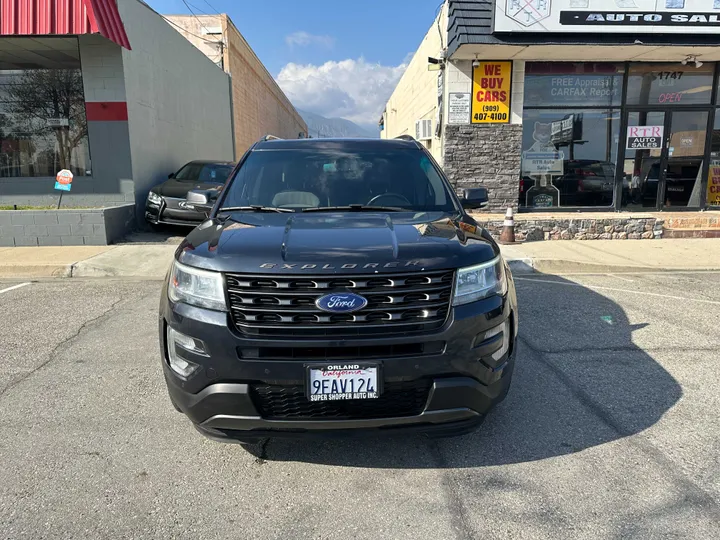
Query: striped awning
x,y
62,17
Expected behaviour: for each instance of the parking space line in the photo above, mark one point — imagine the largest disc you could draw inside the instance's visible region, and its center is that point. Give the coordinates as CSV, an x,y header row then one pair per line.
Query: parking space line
x,y
14,287
621,278
596,287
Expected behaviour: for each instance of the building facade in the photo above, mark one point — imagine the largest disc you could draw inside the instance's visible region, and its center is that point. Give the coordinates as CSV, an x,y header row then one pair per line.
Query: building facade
x,y
414,107
259,105
582,104
108,90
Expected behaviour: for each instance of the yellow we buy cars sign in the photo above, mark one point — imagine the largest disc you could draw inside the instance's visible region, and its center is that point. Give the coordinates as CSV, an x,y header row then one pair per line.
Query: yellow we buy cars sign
x,y
491,93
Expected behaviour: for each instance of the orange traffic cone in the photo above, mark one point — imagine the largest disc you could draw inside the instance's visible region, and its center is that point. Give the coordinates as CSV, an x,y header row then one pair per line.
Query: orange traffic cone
x,y
508,233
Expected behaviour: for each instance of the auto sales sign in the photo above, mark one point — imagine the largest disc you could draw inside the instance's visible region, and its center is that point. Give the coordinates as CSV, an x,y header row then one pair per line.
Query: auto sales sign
x,y
608,16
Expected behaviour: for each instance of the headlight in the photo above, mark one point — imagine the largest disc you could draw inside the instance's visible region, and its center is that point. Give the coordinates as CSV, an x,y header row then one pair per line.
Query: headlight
x,y
477,282
196,287
154,198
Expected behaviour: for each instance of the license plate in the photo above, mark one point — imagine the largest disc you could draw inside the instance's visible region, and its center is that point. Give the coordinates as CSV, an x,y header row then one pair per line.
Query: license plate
x,y
332,382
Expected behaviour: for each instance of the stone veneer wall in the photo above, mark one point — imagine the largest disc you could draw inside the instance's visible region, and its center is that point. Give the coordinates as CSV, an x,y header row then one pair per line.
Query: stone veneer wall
x,y
530,230
488,156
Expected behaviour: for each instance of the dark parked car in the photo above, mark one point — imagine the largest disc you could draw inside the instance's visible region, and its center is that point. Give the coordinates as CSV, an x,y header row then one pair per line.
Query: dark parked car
x,y
337,286
166,203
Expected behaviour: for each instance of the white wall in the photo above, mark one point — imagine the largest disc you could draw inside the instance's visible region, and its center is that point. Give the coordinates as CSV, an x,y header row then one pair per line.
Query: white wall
x,y
459,74
178,100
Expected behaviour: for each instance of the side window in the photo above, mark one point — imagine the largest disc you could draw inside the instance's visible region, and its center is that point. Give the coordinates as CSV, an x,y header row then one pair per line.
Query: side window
x,y
435,180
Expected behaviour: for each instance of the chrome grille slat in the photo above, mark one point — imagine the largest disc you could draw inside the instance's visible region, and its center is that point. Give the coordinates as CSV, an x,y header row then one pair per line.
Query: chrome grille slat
x,y
313,309
280,305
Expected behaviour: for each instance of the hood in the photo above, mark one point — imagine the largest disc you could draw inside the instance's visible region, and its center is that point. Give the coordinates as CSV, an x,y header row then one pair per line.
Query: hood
x,y
178,188
336,243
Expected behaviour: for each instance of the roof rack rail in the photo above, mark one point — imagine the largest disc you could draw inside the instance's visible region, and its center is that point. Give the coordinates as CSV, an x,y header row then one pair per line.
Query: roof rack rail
x,y
405,137
269,137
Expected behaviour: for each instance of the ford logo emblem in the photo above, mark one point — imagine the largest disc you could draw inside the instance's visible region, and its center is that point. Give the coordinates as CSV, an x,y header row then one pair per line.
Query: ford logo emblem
x,y
341,302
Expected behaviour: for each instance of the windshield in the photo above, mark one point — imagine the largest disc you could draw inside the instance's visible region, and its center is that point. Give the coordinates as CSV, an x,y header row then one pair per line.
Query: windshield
x,y
404,179
204,172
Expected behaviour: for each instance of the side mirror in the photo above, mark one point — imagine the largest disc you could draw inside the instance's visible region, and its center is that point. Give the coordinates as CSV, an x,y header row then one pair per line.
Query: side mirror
x,y
474,198
171,175
201,199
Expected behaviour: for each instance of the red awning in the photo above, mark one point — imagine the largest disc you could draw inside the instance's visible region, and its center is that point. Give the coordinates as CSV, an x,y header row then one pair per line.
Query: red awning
x,y
62,17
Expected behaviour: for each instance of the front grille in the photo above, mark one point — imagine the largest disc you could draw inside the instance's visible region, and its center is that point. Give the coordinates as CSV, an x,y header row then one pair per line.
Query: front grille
x,y
342,353
285,305
289,402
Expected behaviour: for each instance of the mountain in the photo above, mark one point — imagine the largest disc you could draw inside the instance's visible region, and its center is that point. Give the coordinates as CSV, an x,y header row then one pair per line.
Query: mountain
x,y
319,126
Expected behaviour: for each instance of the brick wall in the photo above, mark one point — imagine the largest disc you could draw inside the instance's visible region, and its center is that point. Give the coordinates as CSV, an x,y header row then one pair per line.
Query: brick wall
x,y
96,227
486,155
260,107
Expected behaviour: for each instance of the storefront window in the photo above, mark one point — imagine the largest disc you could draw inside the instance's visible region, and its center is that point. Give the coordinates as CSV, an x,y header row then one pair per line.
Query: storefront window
x,y
569,157
43,127
670,84
562,84
713,186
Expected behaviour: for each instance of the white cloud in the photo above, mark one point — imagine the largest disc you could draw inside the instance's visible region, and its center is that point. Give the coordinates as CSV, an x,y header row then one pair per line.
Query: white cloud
x,y
351,89
303,39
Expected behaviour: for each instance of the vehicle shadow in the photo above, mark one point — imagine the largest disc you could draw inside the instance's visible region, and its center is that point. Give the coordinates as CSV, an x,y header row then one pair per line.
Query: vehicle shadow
x,y
160,234
579,382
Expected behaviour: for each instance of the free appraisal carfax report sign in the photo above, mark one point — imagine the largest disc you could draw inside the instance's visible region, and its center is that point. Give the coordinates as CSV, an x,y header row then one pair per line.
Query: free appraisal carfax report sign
x,y
608,16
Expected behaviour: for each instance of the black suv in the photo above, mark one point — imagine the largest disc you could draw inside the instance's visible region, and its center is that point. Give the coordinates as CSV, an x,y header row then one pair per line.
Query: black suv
x,y
337,285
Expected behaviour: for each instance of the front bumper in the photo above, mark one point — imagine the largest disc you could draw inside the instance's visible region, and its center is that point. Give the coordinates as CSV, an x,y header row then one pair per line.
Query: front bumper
x,y
162,215
466,380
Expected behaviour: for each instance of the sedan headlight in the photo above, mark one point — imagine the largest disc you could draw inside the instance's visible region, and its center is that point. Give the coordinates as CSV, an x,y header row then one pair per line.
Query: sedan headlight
x,y
154,198
196,287
480,281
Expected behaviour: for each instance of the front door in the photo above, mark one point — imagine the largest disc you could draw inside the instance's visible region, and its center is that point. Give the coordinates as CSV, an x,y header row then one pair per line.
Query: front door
x,y
664,153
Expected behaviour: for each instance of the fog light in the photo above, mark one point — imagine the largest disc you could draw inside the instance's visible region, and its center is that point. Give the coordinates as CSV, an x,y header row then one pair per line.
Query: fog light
x,y
177,343
505,329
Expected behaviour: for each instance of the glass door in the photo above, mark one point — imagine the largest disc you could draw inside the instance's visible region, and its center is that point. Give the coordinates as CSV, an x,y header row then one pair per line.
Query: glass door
x,y
681,184
645,157
664,158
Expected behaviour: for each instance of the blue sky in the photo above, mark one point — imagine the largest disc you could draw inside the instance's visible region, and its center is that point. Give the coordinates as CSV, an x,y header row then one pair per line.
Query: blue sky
x,y
335,58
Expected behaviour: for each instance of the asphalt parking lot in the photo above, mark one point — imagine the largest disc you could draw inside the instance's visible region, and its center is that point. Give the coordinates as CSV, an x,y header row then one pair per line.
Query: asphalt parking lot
x,y
611,429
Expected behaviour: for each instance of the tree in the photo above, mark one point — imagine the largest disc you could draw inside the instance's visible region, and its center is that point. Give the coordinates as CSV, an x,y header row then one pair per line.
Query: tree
x,y
42,94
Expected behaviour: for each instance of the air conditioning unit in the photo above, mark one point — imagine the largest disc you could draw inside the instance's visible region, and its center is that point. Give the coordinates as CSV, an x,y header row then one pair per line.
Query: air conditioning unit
x,y
423,130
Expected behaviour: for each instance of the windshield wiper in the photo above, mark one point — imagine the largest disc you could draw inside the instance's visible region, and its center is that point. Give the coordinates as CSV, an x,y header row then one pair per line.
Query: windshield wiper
x,y
254,208
357,208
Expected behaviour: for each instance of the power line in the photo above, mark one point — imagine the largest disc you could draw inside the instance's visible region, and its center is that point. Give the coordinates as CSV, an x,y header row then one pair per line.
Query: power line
x,y
212,7
187,5
189,32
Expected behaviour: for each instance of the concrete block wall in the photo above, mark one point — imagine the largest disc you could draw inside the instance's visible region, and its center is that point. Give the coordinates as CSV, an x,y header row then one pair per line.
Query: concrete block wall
x,y
92,227
103,74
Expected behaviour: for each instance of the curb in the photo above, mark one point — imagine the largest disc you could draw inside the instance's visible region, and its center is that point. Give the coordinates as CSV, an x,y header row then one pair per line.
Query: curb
x,y
23,271
561,266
